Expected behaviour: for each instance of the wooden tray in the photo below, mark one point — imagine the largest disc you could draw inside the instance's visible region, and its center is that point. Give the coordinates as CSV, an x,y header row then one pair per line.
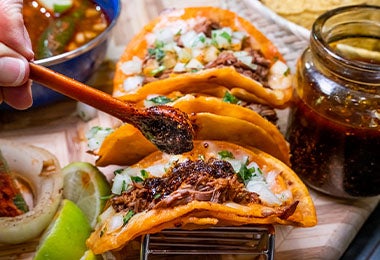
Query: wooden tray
x,y
60,131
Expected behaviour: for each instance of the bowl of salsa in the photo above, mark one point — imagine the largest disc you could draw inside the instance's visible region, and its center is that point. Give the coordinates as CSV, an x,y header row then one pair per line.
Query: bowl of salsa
x,y
71,39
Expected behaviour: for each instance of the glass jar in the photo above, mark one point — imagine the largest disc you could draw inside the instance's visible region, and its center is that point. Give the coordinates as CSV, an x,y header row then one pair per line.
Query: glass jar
x,y
334,124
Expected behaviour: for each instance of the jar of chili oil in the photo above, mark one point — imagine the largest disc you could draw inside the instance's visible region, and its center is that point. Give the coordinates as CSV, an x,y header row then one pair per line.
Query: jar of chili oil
x,y
334,124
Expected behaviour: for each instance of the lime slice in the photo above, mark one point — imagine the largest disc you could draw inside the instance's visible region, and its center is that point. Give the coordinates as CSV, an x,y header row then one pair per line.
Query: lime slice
x,y
85,185
89,255
65,237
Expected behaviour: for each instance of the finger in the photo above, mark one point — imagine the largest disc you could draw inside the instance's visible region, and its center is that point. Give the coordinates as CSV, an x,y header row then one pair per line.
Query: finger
x,y
18,97
14,68
13,29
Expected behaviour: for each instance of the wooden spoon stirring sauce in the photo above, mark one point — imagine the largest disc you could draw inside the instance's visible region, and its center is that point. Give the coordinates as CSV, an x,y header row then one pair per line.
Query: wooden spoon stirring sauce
x,y
166,127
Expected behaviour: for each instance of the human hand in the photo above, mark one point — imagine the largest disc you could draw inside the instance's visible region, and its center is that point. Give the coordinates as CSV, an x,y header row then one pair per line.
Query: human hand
x,y
15,52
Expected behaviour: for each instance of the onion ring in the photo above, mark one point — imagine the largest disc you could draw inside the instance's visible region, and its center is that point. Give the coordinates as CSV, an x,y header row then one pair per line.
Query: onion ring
x,y
41,170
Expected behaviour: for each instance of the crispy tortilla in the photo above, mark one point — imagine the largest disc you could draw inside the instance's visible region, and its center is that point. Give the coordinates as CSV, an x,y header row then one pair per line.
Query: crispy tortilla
x,y
203,79
212,119
295,209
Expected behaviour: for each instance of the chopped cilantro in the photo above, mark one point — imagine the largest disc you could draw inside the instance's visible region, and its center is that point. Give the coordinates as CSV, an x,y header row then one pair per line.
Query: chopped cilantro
x,y
244,173
137,179
118,171
287,72
226,36
160,100
128,216
156,53
107,197
202,38
178,33
144,173
157,195
124,186
229,98
159,44
226,154
157,71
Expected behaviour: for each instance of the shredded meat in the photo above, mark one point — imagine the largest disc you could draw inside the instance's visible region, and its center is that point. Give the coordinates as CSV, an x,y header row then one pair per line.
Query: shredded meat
x,y
213,181
259,73
263,110
206,27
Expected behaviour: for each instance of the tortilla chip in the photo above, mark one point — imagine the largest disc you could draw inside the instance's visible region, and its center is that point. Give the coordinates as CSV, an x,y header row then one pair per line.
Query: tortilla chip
x,y
299,205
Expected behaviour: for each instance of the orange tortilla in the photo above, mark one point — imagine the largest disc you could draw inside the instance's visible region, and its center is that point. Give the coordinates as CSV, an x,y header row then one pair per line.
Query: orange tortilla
x,y
213,119
204,213
204,79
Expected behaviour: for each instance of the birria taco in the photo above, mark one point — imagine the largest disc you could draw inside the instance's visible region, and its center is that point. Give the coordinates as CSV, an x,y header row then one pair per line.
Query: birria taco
x,y
199,50
217,183
213,119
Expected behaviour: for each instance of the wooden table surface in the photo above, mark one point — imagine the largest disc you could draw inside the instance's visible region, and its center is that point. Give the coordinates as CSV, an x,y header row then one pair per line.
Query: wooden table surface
x,y
59,130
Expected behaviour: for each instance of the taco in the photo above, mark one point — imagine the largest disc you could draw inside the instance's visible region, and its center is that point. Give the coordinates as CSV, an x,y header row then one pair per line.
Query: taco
x,y
212,119
217,183
199,50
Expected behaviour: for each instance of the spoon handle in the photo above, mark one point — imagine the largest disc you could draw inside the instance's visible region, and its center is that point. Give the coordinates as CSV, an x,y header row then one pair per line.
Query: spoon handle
x,y
83,93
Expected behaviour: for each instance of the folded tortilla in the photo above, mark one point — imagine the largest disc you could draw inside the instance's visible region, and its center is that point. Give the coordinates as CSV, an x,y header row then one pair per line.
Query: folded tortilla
x,y
195,50
217,183
212,119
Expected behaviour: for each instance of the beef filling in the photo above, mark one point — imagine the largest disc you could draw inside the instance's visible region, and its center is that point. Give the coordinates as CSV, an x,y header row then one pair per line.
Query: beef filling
x,y
214,181
225,58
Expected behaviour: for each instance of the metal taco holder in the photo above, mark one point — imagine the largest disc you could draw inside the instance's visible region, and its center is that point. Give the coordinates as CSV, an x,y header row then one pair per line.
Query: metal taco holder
x,y
255,242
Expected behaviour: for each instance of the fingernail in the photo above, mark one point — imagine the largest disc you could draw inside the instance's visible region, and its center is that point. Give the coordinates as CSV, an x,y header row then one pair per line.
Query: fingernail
x,y
12,71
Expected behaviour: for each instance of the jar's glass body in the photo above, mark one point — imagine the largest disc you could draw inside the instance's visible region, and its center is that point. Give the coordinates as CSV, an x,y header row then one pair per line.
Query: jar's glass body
x,y
334,124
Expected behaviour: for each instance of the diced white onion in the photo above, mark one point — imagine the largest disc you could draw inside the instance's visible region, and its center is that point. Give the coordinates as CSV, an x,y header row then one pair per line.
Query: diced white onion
x,y
132,67
86,112
115,222
96,135
271,177
221,41
279,76
179,67
120,181
164,35
264,192
210,54
239,35
184,54
156,170
194,64
189,38
131,84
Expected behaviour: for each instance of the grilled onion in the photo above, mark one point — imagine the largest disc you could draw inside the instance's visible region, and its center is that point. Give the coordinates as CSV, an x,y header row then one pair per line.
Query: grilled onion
x,y
41,171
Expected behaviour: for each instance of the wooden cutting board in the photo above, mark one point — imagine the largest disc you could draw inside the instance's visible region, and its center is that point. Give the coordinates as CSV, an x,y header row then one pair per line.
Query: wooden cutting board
x,y
59,130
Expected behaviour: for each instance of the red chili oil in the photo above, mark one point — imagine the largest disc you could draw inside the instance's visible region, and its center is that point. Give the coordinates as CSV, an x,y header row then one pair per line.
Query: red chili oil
x,y
334,125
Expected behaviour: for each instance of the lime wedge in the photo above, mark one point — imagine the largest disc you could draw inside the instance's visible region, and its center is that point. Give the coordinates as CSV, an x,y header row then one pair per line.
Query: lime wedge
x,y
89,255
85,185
65,237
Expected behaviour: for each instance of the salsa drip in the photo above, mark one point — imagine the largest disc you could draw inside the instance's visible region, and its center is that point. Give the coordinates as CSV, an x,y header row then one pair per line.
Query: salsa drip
x,y
55,33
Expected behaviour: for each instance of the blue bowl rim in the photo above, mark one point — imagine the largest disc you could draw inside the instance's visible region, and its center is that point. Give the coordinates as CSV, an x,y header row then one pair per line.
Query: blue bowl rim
x,y
84,48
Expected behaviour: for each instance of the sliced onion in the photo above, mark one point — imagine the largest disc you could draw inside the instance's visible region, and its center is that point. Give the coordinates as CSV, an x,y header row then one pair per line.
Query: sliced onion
x,y
42,172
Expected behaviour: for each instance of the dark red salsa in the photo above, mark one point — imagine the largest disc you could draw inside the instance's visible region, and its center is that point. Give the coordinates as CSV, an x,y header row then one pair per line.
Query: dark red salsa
x,y
55,33
331,156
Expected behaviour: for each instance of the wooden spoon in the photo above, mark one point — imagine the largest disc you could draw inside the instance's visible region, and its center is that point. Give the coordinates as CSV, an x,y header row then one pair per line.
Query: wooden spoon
x,y
166,127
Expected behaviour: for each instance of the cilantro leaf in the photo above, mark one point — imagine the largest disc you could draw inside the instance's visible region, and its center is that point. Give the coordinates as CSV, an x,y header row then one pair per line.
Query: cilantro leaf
x,y
226,154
